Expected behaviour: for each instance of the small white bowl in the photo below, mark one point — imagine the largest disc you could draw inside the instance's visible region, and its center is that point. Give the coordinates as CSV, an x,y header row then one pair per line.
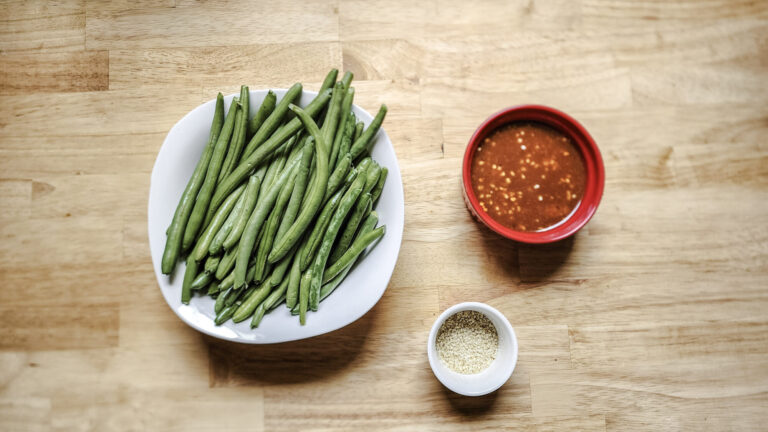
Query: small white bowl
x,y
496,374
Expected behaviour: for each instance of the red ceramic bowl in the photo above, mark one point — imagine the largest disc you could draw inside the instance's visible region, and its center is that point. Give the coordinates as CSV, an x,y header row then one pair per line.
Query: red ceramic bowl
x,y
581,139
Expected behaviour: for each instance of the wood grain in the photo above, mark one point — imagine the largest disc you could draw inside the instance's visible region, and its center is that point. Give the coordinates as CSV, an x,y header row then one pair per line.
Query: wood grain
x,y
653,317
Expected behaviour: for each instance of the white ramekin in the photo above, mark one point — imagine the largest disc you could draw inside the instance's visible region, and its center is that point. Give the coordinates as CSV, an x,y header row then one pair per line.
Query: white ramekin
x,y
496,374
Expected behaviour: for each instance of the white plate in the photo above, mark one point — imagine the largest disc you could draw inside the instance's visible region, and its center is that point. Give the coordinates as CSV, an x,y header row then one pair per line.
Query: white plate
x,y
359,292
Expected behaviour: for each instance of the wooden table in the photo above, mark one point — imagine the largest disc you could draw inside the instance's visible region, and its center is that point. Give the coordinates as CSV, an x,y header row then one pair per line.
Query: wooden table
x,y
654,317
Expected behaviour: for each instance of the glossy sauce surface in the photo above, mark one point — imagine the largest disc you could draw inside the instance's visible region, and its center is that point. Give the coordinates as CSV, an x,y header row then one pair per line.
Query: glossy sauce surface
x,y
528,176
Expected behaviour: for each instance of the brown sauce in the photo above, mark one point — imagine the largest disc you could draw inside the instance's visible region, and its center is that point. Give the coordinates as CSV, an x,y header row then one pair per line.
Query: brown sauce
x,y
528,176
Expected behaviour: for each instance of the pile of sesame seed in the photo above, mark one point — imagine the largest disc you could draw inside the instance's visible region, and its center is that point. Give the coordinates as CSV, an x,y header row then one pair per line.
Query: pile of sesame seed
x,y
467,342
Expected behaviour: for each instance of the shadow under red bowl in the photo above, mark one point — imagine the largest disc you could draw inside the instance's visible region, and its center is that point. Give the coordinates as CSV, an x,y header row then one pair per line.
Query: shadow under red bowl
x,y
565,124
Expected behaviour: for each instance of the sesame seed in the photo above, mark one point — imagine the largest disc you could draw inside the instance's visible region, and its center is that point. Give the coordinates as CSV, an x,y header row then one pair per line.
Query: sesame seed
x,y
467,342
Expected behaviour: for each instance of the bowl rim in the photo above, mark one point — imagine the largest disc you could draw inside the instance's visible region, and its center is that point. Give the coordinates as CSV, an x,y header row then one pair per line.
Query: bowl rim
x,y
583,141
433,356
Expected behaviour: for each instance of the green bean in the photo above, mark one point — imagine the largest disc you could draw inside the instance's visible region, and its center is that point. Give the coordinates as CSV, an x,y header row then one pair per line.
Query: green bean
x,y
229,281
363,164
248,239
225,315
201,281
189,275
346,107
376,192
213,288
363,143
251,193
249,304
212,263
272,170
358,246
359,126
349,199
260,154
294,277
201,249
347,137
362,208
173,243
328,287
270,229
330,78
332,116
279,301
278,272
266,108
337,178
371,177
200,214
237,294
268,303
304,296
299,187
273,121
226,263
310,245
219,305
316,194
238,137
218,240
347,79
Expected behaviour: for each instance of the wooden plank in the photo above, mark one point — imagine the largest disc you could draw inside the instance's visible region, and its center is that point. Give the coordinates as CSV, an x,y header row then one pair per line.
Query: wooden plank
x,y
40,26
16,198
59,326
268,64
55,72
729,398
217,23
57,155
366,20
99,113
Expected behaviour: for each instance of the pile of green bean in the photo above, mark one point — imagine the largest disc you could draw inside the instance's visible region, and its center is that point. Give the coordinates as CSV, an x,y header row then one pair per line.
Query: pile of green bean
x,y
283,218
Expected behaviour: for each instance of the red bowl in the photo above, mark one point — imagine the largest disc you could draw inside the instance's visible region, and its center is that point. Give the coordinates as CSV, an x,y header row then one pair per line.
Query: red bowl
x,y
595,172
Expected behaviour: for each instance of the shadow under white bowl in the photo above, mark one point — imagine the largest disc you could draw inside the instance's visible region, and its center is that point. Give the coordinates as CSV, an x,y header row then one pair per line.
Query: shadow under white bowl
x,y
490,379
359,292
